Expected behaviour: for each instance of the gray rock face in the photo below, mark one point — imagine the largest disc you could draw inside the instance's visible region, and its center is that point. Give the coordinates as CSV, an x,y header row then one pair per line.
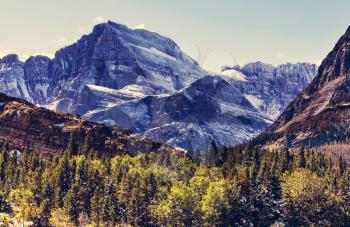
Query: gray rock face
x,y
210,108
270,89
12,77
318,118
36,76
142,81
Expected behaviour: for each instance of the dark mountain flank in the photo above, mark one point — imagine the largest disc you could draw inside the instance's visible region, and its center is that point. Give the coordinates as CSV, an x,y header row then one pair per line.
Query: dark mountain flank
x,y
320,115
25,126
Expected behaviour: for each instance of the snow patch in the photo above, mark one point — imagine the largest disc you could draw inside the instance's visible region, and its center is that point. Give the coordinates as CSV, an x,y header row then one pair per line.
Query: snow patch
x,y
59,125
236,75
132,90
108,122
16,153
135,90
155,51
53,105
112,67
274,110
101,89
255,101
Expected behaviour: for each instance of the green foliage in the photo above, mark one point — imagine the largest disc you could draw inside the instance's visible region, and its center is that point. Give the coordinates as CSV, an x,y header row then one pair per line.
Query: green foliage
x,y
23,202
215,204
5,220
225,187
309,201
180,208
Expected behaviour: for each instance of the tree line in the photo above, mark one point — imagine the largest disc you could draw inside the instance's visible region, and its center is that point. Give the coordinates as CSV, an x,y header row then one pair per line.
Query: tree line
x,y
219,187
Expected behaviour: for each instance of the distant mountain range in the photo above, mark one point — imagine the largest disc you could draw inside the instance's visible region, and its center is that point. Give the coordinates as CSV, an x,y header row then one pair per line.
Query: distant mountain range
x,y
319,117
270,89
142,81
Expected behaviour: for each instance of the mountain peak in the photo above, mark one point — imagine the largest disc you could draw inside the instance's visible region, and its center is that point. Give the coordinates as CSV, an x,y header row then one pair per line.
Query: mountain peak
x,y
11,58
320,114
336,64
348,30
141,80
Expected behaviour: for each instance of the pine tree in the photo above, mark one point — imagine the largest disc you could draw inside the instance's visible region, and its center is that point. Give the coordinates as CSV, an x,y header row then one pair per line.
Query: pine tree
x,y
5,207
63,179
210,153
190,152
241,188
341,165
221,156
285,161
96,207
254,166
197,157
4,159
72,205
111,212
300,161
44,213
72,147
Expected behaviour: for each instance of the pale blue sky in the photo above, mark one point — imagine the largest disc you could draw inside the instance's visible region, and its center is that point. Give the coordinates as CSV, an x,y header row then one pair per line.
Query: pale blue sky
x,y
223,32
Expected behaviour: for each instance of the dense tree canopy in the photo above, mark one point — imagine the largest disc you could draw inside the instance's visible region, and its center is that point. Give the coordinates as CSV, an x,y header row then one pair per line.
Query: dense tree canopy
x,y
229,187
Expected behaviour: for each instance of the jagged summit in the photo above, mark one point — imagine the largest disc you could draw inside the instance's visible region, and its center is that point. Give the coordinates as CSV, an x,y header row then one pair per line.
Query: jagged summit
x,y
270,89
142,80
10,58
331,80
336,64
319,116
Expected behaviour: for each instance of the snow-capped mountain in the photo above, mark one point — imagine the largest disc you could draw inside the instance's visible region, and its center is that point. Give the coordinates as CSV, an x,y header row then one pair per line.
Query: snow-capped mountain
x,y
210,108
142,81
115,56
270,89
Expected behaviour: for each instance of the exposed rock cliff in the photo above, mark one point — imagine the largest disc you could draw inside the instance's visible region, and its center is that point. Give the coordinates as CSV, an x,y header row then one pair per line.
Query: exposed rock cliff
x,y
26,127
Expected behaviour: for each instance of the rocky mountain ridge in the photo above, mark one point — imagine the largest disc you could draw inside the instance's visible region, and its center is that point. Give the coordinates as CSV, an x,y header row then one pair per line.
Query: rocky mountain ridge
x,y
142,81
26,127
319,116
271,88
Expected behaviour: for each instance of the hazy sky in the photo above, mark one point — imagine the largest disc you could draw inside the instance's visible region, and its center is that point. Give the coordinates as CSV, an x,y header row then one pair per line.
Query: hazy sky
x,y
215,33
